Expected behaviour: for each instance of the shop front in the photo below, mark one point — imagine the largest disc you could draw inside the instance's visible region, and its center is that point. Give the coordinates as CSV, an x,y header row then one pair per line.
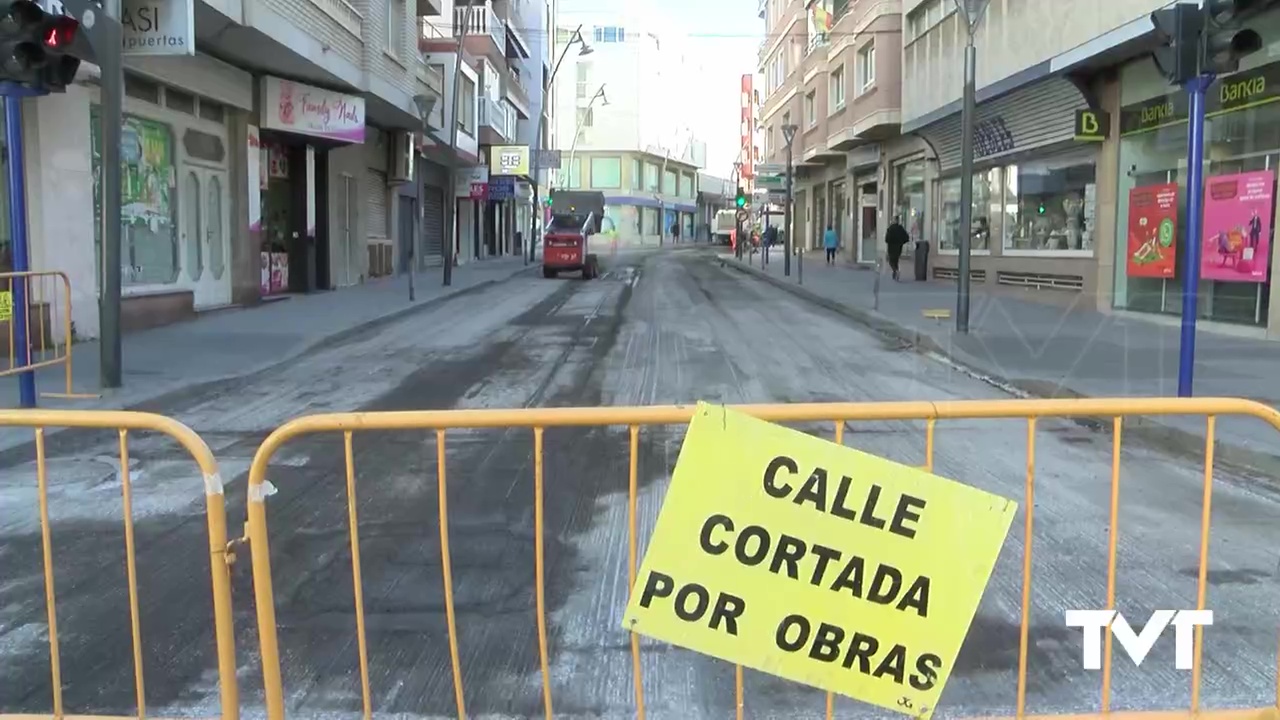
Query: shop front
x,y
302,240
1034,191
176,235
1241,155
863,164
470,197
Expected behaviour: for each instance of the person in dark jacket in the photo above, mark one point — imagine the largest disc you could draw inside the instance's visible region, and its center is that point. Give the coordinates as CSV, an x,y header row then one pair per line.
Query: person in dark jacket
x,y
896,238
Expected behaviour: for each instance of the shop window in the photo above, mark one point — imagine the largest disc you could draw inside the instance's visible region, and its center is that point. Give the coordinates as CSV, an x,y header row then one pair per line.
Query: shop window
x,y
987,211
908,197
1049,204
650,225
1235,280
149,238
180,101
606,172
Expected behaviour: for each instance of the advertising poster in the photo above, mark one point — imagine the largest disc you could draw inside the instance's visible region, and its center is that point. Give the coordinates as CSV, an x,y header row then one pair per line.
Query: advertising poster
x,y
1237,227
1153,231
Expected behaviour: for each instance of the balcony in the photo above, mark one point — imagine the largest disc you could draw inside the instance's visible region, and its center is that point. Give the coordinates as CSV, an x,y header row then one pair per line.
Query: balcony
x,y
816,40
497,125
429,8
516,91
485,33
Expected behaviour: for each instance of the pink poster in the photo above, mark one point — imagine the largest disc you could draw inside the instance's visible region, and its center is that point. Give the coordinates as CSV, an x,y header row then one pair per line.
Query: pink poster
x,y
1237,227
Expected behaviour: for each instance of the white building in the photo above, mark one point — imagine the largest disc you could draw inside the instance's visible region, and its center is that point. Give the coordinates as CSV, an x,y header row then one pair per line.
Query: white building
x,y
622,126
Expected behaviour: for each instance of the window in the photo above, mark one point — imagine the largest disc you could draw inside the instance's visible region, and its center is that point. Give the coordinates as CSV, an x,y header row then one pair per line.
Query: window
x,y
649,225
866,67
467,118
811,109
651,177
768,140
149,237
669,184
637,174
908,197
393,11
987,211
571,172
1049,204
837,88
606,172
689,186
584,73
586,117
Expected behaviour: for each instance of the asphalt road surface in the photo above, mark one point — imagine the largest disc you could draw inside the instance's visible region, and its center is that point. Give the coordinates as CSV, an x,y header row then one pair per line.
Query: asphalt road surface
x,y
658,328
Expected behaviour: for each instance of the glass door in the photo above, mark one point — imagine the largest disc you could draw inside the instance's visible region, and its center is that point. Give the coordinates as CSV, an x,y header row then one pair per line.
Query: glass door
x,y
204,235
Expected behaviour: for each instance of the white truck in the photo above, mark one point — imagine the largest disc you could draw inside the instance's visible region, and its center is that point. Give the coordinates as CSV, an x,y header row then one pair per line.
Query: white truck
x,y
726,221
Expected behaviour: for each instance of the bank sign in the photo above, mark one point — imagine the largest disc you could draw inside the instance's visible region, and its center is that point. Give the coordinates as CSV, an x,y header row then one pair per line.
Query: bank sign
x,y
1238,91
158,27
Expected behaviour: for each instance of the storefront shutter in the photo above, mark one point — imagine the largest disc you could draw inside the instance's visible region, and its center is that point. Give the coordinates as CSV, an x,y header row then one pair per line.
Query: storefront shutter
x,y
433,225
1037,116
375,194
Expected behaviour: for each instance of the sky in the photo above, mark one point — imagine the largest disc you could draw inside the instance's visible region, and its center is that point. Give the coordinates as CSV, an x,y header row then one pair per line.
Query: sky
x,y
723,36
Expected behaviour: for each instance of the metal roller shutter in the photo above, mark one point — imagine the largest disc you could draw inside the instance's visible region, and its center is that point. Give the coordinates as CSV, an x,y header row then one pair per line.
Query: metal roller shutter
x,y
433,225
1036,116
375,200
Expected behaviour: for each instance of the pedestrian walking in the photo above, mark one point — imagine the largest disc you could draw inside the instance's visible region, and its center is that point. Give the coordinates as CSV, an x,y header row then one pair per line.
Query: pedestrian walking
x,y
830,242
895,238
770,239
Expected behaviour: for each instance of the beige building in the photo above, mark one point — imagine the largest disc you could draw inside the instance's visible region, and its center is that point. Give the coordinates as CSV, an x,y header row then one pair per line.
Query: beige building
x,y
1052,191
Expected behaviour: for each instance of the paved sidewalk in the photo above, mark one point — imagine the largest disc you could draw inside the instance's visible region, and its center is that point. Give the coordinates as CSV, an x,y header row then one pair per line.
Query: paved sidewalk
x,y
237,342
1050,350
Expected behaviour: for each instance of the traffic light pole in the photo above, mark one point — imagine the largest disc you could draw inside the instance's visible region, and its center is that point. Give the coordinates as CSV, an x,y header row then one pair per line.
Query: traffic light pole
x,y
108,51
1195,221
21,257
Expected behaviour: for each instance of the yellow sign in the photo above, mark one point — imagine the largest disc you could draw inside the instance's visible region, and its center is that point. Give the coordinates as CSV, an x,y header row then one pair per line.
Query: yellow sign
x,y
6,305
509,160
1092,125
792,555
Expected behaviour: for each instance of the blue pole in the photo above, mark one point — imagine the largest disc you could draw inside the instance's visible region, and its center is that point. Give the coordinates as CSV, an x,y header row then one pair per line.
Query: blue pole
x,y
21,261
1195,221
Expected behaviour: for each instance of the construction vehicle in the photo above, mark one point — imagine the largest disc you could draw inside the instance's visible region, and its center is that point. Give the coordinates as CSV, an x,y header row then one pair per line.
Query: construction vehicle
x,y
576,215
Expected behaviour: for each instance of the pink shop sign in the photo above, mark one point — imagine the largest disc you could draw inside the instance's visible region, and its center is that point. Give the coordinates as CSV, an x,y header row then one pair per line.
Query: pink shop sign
x,y
307,110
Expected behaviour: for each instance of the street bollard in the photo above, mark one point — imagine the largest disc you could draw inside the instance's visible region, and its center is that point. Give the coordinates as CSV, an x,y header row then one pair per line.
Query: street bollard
x,y
875,287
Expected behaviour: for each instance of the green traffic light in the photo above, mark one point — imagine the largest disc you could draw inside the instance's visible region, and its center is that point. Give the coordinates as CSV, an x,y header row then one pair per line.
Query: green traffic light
x,y
741,201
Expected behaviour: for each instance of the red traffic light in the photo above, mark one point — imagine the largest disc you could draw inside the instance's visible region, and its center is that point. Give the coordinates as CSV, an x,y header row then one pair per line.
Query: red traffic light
x,y
60,32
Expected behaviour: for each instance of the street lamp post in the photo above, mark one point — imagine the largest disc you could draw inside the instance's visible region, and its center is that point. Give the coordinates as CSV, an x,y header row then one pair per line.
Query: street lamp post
x,y
584,49
577,128
789,136
971,11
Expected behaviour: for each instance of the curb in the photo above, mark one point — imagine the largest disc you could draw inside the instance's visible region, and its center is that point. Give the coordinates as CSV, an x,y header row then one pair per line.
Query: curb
x,y
338,336
1170,439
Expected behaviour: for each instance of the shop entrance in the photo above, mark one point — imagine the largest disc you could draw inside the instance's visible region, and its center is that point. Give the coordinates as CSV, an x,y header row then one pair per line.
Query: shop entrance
x,y
206,218
295,242
868,233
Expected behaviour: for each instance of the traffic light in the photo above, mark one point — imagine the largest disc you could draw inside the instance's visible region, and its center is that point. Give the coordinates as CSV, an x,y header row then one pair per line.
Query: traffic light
x,y
1178,31
741,199
1226,40
35,46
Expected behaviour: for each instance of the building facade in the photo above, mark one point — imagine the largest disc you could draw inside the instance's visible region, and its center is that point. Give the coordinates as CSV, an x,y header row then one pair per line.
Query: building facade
x,y
619,132
831,68
276,168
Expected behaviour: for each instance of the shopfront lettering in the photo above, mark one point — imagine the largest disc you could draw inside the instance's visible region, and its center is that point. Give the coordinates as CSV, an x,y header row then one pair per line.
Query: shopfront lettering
x,y
1235,92
329,110
1241,91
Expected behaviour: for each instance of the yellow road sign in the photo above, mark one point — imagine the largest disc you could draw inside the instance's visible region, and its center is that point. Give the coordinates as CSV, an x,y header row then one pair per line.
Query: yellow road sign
x,y
792,555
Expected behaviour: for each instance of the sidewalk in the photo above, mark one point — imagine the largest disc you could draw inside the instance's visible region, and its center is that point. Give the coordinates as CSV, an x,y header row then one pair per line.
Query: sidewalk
x,y
1049,350
237,342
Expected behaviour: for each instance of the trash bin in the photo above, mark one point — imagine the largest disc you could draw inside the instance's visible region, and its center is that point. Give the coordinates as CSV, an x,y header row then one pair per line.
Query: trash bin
x,y
922,260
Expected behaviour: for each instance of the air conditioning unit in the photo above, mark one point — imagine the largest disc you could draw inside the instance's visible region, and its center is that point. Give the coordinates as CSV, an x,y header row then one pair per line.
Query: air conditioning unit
x,y
403,154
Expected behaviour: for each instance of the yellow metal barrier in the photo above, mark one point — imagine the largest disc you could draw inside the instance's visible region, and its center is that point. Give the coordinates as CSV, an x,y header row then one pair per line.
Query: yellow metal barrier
x,y
48,293
125,422
537,420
